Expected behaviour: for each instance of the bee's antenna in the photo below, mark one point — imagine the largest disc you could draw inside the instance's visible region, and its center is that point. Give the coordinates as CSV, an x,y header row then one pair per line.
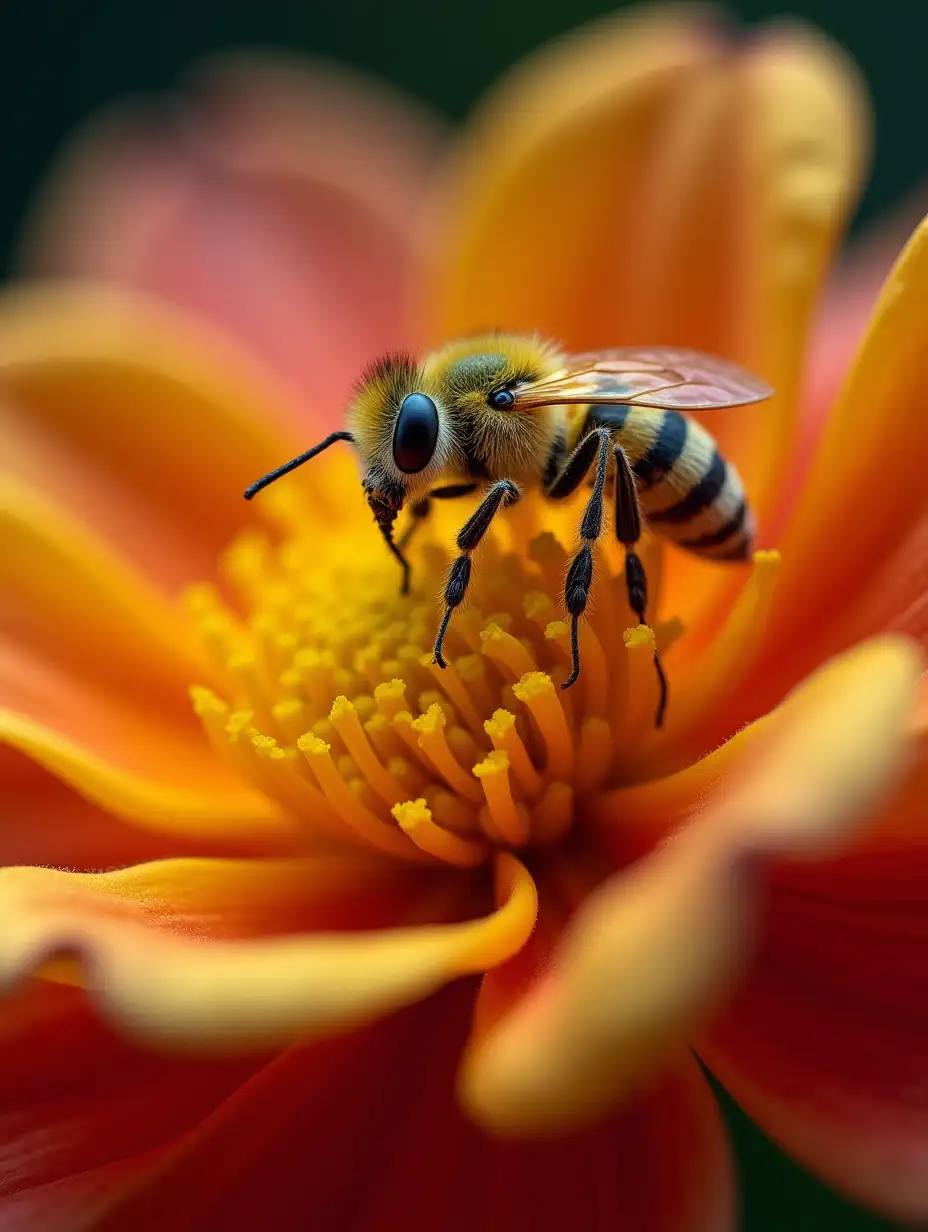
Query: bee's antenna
x,y
287,467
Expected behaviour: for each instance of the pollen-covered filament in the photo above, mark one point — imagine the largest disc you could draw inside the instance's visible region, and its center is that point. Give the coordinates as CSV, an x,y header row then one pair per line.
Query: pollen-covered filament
x,y
336,710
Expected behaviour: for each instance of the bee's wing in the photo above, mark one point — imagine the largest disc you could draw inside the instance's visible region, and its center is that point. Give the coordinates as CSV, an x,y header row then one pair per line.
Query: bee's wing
x,y
664,377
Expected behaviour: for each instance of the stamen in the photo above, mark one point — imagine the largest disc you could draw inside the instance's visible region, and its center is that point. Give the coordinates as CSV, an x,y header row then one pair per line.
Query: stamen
x,y
503,648
502,732
510,821
415,819
451,681
430,728
344,718
391,697
537,691
347,806
595,755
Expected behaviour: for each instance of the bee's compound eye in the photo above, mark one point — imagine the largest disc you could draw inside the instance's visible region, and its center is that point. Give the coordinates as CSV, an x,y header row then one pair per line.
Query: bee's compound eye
x,y
501,399
416,434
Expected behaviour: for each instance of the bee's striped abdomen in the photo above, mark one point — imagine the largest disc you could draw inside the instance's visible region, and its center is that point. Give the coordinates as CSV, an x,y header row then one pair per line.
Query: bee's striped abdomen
x,y
687,491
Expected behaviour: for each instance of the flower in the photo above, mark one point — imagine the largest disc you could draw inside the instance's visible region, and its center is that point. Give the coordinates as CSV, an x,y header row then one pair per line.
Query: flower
x,y
344,882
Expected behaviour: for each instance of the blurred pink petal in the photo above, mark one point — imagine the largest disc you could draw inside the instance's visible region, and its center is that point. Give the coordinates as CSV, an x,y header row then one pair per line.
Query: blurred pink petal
x,y
279,202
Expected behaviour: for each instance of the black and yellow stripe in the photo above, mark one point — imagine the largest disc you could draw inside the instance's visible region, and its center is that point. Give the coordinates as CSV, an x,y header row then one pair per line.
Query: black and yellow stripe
x,y
688,492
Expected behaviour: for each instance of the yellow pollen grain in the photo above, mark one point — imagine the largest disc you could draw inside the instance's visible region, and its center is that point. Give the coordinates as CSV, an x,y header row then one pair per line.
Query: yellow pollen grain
x,y
415,819
430,730
504,649
493,776
390,696
450,682
344,718
553,814
501,729
346,804
536,690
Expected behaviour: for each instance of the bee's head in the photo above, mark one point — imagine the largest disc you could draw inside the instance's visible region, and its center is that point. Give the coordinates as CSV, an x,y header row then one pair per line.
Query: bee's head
x,y
400,431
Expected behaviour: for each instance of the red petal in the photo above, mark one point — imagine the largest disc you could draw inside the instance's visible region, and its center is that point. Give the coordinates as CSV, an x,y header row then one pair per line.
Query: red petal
x,y
76,1101
826,1046
365,1135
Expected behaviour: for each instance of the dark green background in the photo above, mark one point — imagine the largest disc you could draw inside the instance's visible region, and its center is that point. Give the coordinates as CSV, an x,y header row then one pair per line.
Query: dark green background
x,y
60,59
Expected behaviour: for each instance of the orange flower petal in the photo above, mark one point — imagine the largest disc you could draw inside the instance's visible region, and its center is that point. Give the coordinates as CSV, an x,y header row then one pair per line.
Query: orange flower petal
x,y
73,602
153,405
654,950
379,1103
824,569
284,209
238,995
148,769
640,183
45,822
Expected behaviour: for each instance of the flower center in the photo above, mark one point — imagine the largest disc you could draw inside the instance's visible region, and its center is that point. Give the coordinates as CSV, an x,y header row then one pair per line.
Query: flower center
x,y
335,708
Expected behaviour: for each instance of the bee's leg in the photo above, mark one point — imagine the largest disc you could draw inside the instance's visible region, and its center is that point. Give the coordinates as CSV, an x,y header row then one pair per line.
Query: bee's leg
x,y
628,532
499,496
580,574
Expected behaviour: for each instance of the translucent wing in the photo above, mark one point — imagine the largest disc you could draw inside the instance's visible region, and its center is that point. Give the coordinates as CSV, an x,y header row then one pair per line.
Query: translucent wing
x,y
664,377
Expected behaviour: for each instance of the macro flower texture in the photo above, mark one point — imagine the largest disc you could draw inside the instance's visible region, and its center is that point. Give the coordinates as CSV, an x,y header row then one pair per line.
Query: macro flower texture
x,y
297,929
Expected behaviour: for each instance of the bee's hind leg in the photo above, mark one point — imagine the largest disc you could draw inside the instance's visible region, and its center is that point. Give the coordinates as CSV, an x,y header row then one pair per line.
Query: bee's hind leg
x,y
628,532
499,496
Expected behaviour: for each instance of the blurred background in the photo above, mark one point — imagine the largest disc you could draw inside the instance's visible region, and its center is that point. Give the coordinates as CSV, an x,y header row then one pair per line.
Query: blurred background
x,y
61,60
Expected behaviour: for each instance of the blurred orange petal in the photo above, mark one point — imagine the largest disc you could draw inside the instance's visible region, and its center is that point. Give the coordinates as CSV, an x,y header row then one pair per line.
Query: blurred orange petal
x,y
176,990
70,600
839,328
642,183
850,518
153,404
153,770
279,200
651,953
380,1103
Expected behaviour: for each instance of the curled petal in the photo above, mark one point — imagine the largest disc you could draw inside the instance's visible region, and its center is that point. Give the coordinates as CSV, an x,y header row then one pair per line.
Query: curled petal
x,y
232,996
655,950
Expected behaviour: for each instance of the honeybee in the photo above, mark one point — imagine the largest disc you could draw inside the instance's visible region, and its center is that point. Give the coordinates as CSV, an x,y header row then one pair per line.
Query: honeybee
x,y
510,413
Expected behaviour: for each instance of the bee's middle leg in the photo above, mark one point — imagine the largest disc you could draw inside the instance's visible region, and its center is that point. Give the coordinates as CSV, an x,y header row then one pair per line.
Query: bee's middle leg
x,y
594,447
499,496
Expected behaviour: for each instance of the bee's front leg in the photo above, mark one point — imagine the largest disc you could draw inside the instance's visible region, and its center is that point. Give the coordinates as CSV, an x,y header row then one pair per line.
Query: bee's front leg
x,y
499,496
